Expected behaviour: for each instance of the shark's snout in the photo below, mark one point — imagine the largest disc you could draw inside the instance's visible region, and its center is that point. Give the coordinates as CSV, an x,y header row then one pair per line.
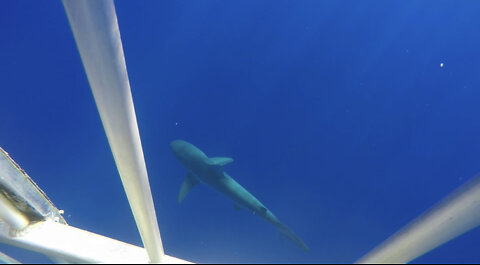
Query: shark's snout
x,y
184,150
176,145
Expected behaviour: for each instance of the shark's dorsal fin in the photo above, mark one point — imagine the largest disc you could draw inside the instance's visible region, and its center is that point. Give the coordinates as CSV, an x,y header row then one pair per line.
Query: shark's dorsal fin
x,y
219,161
188,183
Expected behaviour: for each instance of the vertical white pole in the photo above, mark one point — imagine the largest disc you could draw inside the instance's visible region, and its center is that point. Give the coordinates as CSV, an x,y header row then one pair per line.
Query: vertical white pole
x,y
94,25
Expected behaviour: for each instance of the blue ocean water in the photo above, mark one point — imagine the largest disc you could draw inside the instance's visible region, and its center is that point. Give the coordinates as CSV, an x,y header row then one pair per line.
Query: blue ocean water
x,y
347,119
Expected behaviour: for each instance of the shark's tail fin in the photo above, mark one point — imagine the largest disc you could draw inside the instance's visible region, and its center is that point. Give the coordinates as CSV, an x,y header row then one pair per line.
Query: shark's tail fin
x,y
288,233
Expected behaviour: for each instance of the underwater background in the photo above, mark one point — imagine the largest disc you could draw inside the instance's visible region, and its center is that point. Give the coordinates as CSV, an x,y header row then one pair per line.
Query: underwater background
x,y
347,119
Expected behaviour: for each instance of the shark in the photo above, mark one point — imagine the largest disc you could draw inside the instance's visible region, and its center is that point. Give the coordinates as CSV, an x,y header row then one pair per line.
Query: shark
x,y
209,170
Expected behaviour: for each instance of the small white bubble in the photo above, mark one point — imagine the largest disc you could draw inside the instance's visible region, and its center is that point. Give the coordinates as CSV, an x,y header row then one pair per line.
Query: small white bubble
x,y
176,123
441,64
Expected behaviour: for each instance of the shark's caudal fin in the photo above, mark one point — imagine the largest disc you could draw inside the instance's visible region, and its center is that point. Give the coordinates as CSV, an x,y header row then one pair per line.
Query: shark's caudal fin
x,y
188,183
219,161
288,233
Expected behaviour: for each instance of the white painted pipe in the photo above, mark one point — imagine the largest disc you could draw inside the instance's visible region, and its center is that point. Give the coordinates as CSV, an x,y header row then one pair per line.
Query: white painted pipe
x,y
11,215
73,245
458,213
94,25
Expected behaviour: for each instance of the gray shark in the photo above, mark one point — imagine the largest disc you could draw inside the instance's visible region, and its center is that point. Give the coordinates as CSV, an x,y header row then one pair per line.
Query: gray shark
x,y
201,168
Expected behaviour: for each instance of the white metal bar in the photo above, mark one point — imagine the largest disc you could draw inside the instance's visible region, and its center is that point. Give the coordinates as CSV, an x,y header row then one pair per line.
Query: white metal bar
x,y
11,215
456,214
75,245
20,194
94,25
5,259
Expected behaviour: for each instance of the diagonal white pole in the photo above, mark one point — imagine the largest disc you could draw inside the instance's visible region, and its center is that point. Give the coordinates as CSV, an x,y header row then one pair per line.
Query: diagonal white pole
x,y
94,25
458,213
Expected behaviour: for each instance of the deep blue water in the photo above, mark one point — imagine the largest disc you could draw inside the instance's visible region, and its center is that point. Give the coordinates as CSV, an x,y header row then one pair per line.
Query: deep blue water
x,y
338,114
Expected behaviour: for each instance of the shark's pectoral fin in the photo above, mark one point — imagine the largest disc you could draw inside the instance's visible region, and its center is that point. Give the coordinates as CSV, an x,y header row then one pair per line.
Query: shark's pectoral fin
x,y
188,183
219,161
